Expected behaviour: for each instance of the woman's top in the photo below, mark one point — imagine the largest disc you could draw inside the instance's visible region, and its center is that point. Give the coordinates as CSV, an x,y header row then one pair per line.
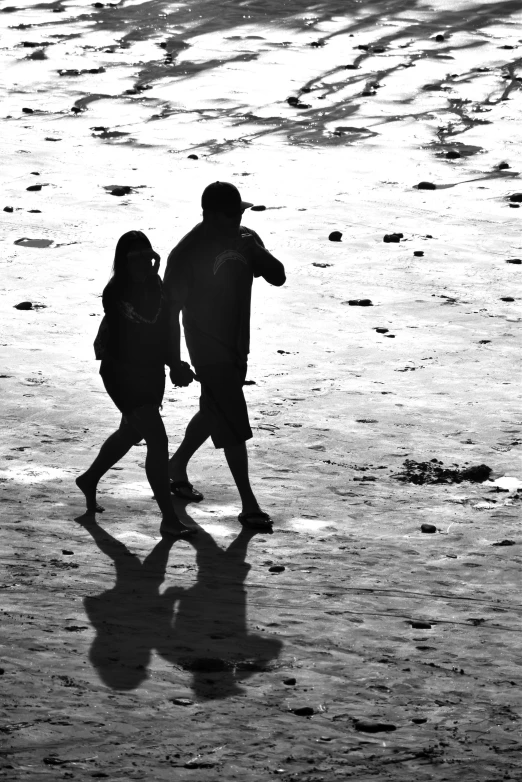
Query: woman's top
x,y
137,323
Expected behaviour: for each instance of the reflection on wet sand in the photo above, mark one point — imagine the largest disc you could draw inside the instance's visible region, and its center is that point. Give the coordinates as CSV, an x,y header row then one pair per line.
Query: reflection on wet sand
x,y
201,628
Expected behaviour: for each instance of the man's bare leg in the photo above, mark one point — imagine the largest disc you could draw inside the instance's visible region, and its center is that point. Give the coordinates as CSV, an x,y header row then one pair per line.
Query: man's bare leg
x,y
237,458
196,434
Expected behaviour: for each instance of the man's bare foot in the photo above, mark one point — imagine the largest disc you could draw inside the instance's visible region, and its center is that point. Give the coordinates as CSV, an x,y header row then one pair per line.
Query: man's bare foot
x,y
175,528
89,489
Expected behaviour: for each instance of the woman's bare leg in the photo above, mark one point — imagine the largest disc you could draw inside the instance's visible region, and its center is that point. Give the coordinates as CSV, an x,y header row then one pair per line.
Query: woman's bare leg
x,y
148,422
113,449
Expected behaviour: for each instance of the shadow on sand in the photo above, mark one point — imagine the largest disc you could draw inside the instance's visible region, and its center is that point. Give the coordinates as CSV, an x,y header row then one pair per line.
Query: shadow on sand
x,y
201,629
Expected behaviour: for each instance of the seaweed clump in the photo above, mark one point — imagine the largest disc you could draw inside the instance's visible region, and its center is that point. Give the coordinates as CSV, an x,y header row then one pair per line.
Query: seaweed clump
x,y
434,472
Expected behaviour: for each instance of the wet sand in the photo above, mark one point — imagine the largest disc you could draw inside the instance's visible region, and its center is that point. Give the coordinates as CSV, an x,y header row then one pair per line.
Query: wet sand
x,y
380,651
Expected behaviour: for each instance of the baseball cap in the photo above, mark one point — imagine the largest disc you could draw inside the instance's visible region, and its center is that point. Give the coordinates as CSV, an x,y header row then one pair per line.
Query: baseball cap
x,y
223,197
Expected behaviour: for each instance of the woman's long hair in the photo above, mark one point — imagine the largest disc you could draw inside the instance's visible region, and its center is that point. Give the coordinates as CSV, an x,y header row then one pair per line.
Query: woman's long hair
x,y
126,243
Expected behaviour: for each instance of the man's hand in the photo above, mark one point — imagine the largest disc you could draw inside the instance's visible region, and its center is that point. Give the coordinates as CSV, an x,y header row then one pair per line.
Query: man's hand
x,y
181,374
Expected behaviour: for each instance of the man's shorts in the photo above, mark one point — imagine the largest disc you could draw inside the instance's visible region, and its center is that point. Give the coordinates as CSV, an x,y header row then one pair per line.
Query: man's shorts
x,y
223,404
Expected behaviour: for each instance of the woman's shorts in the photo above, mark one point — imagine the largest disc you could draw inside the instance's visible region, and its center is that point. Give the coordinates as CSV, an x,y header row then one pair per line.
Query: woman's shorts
x,y
223,404
132,386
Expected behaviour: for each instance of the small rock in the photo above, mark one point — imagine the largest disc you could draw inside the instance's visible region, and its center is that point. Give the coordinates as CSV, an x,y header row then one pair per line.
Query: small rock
x,y
67,552
484,341
502,166
418,253
452,154
276,568
121,191
322,265
8,209
317,44
182,701
426,186
292,100
514,206
395,237
303,711
418,624
507,298
97,5
258,208
351,67
381,330
35,188
516,198
363,46
390,336
360,303
35,211
439,38
76,110
514,260
428,528
368,726
335,236
193,157
504,543
292,681
24,305
28,111
419,720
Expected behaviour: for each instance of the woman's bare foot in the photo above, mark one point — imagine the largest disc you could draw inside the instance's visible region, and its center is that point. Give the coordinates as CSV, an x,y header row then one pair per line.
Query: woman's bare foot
x,y
172,526
89,489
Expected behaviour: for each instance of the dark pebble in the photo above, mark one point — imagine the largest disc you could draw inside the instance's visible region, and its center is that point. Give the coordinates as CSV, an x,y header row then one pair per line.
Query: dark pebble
x,y
360,303
484,341
66,552
390,336
34,187
504,543
28,111
395,237
418,253
76,110
303,711
322,265
2,671
182,701
426,186
368,726
379,49
514,260
502,166
439,38
516,198
98,5
335,236
276,568
292,101
291,681
419,625
428,528
351,67
120,191
8,209
507,298
452,154
317,44
369,92
419,720
193,157
363,46
381,330
515,206
24,305
258,208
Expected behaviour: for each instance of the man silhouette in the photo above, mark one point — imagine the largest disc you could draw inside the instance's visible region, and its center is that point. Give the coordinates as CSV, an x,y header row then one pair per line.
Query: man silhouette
x,y
209,279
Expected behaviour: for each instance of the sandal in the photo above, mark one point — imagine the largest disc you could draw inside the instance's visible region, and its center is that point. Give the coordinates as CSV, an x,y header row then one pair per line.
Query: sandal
x,y
185,491
256,520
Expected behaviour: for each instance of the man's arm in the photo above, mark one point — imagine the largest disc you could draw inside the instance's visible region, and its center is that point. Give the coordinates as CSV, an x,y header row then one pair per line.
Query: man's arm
x,y
265,264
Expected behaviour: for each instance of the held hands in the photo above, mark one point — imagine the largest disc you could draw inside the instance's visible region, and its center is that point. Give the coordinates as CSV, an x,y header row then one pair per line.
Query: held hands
x,y
181,374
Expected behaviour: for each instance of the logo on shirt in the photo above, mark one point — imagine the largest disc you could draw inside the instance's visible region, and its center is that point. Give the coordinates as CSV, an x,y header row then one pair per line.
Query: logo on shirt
x,y
228,255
